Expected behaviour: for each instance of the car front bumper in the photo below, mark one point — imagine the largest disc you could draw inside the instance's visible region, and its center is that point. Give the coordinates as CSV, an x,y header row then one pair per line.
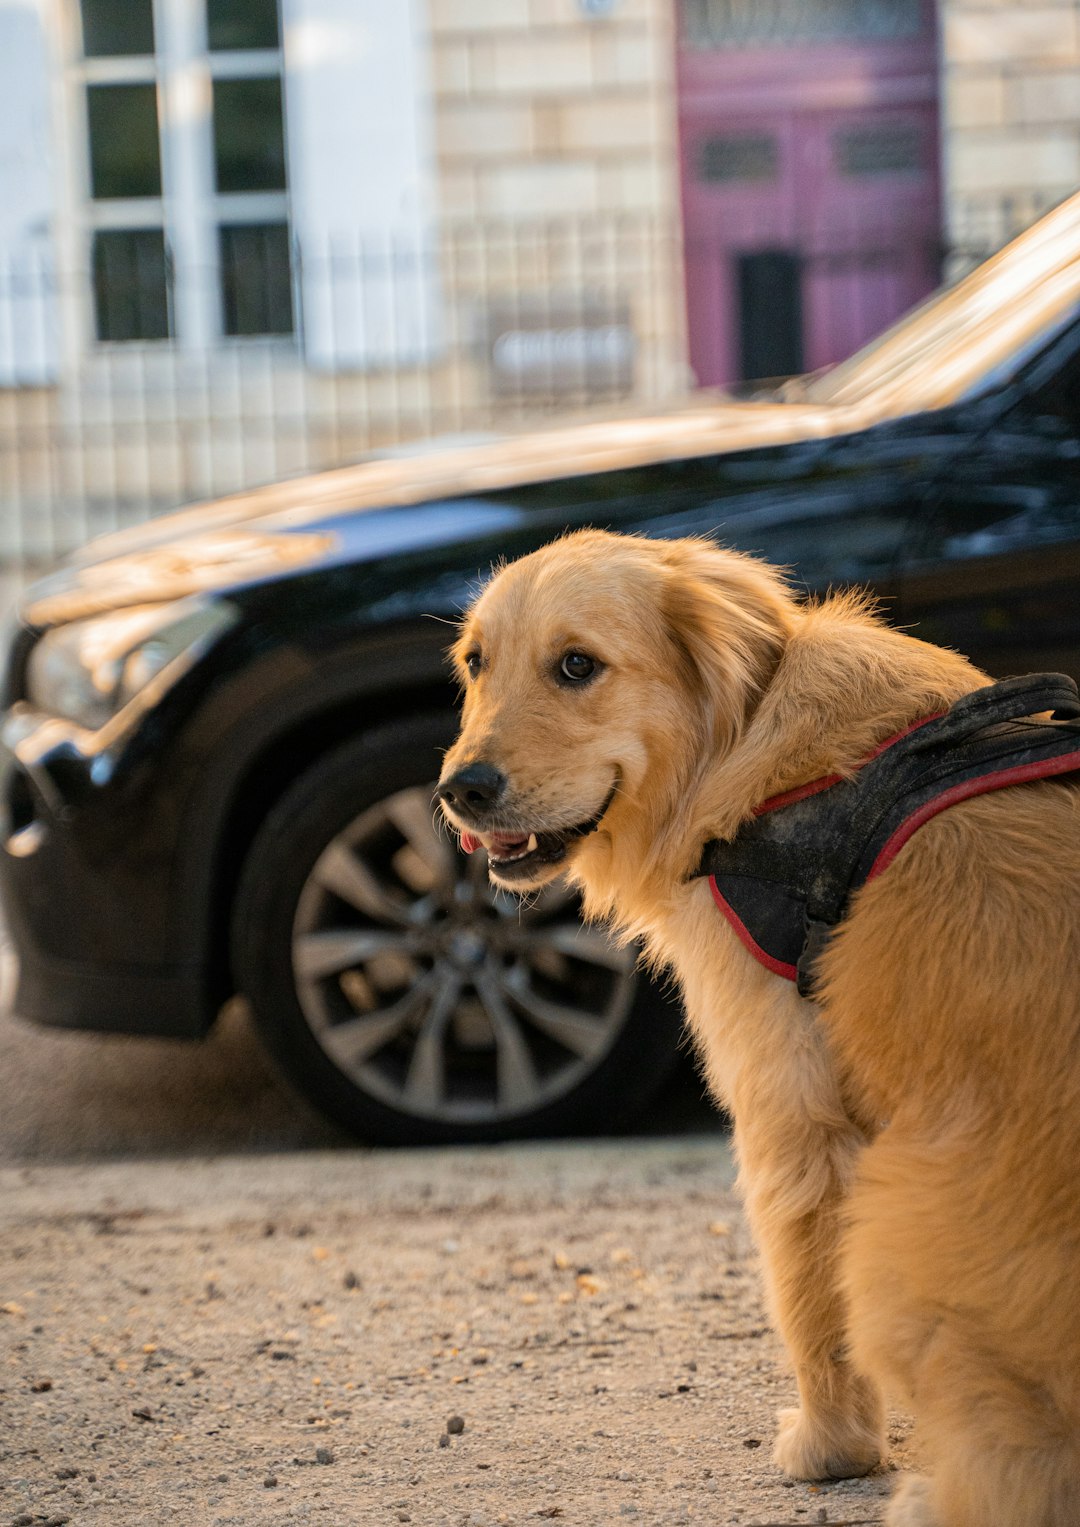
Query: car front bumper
x,y
77,870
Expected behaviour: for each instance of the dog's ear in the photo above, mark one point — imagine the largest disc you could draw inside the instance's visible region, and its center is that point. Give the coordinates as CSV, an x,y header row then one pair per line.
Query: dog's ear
x,y
729,616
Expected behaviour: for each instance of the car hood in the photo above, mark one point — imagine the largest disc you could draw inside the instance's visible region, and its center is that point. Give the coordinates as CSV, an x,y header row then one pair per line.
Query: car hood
x,y
380,507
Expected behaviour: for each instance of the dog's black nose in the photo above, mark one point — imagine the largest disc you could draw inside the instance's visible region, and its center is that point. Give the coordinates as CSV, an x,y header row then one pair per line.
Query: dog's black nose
x,y
474,789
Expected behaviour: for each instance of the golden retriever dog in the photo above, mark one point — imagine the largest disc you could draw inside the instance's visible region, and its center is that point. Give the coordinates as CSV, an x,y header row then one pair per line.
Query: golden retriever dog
x,y
909,1141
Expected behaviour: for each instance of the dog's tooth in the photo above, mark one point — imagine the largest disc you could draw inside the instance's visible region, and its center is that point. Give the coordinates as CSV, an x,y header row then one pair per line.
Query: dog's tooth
x,y
531,845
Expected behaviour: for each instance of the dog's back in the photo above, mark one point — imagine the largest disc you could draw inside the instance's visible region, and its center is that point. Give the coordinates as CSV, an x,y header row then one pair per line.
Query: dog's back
x,y
952,997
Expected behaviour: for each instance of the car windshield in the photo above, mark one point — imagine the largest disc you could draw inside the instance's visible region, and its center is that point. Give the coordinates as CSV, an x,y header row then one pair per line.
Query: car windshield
x,y
964,337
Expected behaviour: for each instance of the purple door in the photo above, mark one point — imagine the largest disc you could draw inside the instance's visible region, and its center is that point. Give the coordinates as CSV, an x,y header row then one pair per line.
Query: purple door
x,y
810,172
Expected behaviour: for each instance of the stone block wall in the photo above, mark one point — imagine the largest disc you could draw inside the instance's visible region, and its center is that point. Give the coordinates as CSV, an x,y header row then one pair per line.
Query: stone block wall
x,y
551,110
545,110
1011,113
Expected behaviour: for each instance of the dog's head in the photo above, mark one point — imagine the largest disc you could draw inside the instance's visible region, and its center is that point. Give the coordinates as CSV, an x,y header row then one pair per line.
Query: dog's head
x,y
598,673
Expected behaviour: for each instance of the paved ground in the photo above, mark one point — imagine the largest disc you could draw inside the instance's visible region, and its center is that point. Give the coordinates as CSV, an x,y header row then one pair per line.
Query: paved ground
x,y
88,1096
496,1336
214,1311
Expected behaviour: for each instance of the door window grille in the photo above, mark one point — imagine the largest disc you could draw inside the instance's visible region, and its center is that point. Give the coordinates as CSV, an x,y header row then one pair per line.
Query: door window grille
x,y
746,157
706,24
879,149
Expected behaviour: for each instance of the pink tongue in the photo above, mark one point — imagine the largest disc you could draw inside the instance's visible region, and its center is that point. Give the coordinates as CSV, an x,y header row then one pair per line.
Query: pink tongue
x,y
470,842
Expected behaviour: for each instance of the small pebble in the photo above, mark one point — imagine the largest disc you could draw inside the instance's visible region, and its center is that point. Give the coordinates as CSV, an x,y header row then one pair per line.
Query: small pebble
x,y
351,1280
41,1386
444,1440
67,1473
270,1482
323,1455
455,1425
751,1442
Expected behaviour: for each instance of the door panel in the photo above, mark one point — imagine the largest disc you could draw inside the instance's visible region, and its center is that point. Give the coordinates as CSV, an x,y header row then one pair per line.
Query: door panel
x,y
996,573
825,155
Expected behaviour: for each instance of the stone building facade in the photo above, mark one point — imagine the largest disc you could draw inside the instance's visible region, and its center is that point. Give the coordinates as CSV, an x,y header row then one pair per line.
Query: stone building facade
x,y
483,204
1011,113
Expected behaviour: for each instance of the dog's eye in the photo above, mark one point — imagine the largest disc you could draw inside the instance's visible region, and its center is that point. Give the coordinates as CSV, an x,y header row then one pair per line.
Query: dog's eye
x,y
577,666
473,663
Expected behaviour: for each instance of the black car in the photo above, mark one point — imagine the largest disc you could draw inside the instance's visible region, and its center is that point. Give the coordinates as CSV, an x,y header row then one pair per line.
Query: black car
x,y
220,730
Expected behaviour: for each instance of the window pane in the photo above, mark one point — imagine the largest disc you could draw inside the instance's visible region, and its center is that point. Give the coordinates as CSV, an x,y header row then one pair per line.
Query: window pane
x,y
117,27
256,280
124,155
130,284
241,24
249,140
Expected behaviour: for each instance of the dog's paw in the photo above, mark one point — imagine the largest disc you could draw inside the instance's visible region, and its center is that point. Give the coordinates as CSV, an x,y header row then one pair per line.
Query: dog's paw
x,y
911,1505
842,1449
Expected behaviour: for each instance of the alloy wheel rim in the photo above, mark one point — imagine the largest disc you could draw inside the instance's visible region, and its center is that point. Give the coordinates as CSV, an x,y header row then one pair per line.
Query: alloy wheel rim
x,y
437,995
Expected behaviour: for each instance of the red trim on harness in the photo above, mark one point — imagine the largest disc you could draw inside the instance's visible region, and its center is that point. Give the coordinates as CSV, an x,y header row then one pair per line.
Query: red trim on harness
x,y
746,938
1045,768
801,792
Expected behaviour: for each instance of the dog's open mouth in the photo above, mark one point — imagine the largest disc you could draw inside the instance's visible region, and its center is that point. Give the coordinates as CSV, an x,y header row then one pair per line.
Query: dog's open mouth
x,y
515,856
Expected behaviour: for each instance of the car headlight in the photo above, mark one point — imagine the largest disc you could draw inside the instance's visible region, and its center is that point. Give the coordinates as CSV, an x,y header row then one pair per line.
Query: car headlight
x,y
89,670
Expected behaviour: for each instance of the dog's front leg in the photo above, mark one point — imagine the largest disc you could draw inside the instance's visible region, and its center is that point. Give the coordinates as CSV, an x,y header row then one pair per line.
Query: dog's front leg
x,y
767,1059
794,1171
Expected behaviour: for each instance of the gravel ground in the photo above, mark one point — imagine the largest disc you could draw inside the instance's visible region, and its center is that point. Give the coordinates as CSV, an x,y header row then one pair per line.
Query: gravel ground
x,y
569,1332
215,1310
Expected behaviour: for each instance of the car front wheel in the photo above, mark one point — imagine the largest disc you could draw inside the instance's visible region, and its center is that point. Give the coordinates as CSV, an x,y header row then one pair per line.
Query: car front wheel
x,y
405,996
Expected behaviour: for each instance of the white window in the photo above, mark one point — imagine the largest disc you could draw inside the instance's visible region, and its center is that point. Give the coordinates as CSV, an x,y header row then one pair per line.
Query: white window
x,y
256,170
185,169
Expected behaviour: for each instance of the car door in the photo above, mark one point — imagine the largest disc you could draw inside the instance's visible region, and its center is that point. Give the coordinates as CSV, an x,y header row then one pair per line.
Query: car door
x,y
994,568
835,512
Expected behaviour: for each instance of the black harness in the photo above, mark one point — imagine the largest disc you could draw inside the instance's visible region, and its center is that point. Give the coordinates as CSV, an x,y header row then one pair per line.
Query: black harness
x,y
787,877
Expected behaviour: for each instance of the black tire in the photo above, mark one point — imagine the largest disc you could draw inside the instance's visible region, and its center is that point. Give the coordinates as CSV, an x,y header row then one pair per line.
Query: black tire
x,y
417,946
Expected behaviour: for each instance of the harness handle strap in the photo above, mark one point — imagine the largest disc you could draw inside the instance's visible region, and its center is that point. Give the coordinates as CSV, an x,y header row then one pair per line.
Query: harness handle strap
x,y
1009,700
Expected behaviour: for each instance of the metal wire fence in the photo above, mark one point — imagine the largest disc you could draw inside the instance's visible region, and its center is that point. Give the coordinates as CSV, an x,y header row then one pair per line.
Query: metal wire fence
x,y
126,390
484,327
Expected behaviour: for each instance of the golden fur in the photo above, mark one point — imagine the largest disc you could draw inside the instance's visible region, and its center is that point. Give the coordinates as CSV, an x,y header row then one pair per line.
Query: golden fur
x,y
910,1148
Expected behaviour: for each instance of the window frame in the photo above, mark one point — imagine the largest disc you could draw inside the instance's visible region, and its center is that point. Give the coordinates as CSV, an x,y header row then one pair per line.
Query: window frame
x,y
190,210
